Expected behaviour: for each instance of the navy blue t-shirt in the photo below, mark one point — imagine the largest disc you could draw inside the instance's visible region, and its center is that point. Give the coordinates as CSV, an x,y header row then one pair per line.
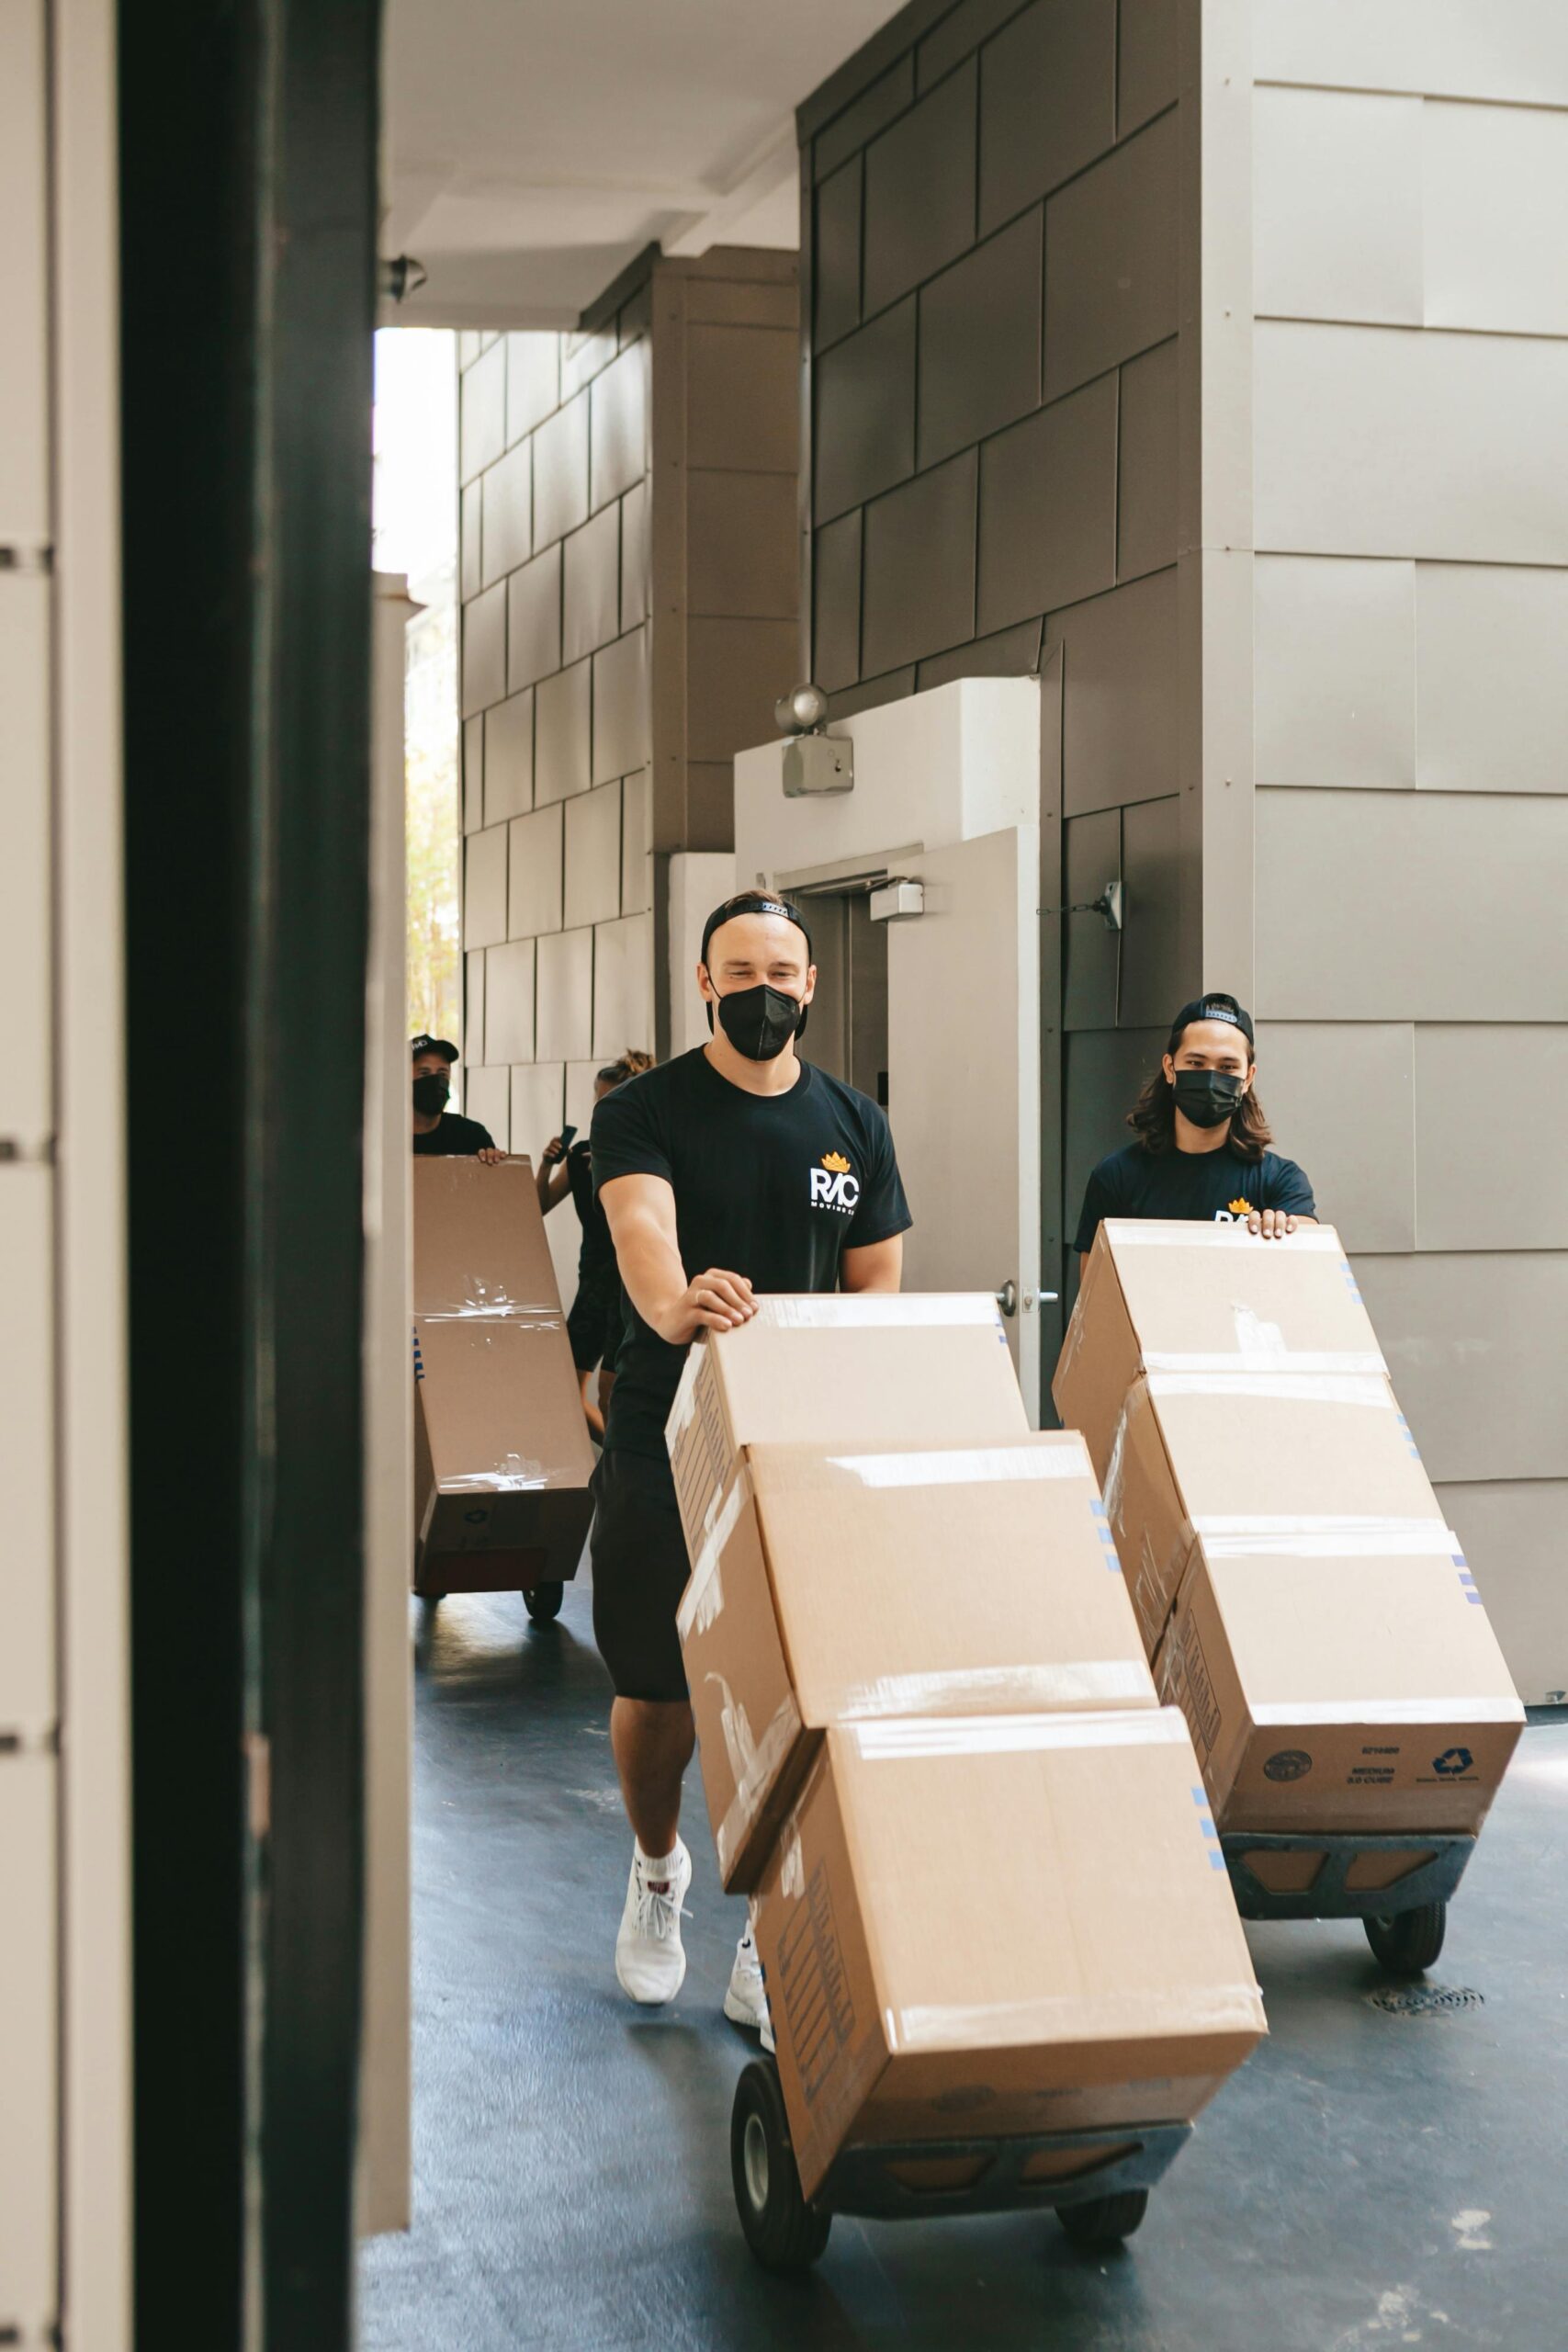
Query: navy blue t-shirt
x,y
1215,1186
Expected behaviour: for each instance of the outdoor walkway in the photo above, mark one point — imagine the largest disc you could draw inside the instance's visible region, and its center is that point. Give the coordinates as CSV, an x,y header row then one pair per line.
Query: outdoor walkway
x,y
1367,2182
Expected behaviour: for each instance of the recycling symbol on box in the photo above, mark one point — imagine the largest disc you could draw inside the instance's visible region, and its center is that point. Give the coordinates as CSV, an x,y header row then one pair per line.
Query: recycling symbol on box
x,y
1452,1762
1288,1764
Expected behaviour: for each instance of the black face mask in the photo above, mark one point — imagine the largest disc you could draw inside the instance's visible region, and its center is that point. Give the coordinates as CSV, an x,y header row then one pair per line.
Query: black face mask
x,y
760,1022
1208,1097
429,1095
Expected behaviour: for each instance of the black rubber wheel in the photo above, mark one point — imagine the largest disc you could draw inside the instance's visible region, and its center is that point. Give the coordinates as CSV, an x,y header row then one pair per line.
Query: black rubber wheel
x,y
543,1601
1407,1942
433,1598
1099,2225
782,2231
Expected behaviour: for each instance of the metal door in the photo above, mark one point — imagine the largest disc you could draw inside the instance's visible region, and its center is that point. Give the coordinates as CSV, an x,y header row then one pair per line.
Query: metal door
x,y
963,1079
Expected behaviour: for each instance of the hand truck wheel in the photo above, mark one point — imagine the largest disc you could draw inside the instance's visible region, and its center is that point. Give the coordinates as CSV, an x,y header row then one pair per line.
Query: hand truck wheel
x,y
1407,1942
543,1601
782,2231
1099,2225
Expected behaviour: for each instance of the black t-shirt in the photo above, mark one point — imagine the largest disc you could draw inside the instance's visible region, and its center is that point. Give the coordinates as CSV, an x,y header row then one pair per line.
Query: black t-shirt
x,y
1215,1186
598,1252
454,1136
774,1187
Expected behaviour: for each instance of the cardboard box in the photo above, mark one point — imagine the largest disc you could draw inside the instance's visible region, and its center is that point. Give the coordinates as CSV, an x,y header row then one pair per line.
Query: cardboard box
x,y
976,1928
1203,1452
841,1588
881,1369
1340,1680
502,1455
1193,1297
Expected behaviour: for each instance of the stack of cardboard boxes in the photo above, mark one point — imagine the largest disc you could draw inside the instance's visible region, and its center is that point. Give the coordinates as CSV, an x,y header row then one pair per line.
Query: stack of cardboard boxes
x,y
1298,1591
988,1892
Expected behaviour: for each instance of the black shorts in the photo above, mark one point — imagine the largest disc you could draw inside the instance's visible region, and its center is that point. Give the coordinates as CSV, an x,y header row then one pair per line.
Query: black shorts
x,y
640,1566
593,1326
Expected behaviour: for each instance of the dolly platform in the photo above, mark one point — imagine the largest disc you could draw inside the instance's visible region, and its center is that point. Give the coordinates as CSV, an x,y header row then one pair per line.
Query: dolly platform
x,y
1406,1919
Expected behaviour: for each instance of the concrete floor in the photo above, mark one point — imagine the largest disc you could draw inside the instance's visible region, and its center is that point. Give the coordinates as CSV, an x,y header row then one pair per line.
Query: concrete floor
x,y
1368,2181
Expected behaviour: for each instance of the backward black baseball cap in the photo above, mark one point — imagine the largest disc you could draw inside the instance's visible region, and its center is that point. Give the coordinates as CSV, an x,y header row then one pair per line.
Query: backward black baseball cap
x,y
423,1045
1218,1006
754,903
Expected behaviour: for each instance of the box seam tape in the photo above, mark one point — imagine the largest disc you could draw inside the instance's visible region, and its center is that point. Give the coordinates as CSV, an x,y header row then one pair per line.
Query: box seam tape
x,y
897,1739
1020,1690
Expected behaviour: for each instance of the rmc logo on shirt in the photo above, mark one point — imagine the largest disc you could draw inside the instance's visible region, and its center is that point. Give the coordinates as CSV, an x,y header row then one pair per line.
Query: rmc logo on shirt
x,y
832,1186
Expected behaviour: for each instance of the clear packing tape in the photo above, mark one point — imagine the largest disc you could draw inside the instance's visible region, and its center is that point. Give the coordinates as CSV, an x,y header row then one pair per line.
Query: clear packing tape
x,y
967,1466
754,1765
1024,1690
1129,2016
911,1737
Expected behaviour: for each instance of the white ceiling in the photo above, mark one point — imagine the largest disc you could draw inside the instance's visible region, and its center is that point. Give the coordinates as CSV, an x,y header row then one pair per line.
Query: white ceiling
x,y
535,147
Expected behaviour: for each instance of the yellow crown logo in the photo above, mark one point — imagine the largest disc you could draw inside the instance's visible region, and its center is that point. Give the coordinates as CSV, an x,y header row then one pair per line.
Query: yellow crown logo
x,y
1241,1208
837,1162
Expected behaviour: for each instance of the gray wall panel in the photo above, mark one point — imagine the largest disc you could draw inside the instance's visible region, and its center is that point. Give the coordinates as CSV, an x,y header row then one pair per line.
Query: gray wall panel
x,y
482,412
837,258
563,991
1009,653
560,472
484,649
1120,672
919,566
509,758
593,858
509,1002
1047,102
534,869
743,399
620,706
737,669
507,494
1152,980
863,439
1337,206
962,29
590,585
1105,1074
1111,259
634,556
618,426
561,728
1491,678
1474,1350
979,341
1518,53
636,843
473,1039
1373,441
1147,464
484,889
870,693
1334,672
1411,906
877,105
1516,1539
532,621
470,571
1340,1097
532,381
920,190
1048,508
1092,847
1472,1194
1147,64
836,603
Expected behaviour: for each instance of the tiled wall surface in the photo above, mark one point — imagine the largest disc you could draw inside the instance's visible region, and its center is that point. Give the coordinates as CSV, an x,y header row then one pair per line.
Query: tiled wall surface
x,y
558,888
1410,614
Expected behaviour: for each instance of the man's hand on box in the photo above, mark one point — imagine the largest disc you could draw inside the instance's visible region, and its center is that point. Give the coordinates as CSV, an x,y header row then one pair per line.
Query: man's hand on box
x,y
716,1301
1275,1224
489,1157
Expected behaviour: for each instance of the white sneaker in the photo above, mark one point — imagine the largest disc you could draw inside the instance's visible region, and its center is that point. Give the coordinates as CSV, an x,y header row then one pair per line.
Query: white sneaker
x,y
649,1957
745,2001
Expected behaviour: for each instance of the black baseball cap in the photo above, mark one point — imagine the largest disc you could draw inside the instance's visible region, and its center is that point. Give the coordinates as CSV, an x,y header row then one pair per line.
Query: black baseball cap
x,y
754,903
423,1045
1217,1007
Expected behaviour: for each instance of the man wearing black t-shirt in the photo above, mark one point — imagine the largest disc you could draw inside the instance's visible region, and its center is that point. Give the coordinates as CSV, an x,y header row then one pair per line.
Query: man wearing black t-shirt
x,y
435,1128
732,1170
1202,1148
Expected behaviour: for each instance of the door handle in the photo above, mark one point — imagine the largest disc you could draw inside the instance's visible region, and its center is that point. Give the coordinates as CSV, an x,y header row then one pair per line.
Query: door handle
x,y
1007,1297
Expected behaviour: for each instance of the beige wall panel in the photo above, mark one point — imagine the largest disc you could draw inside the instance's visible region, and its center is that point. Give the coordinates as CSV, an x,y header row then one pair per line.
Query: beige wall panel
x,y
1340,1099
28,1696
24,280
537,1113
1491,678
474,772
743,396
1405,906
636,843
484,649
533,380
482,412
1474,1350
1151,937
1517,50
25,1114
1515,1540
1337,206
623,985
560,472
1496,201
1147,464
533,892
484,887
1373,441
592,858
562,708
1110,281
1471,1195
634,556
619,427
579,1077
29,2054
1119,695
590,599
507,494
487,1097
509,1002
563,997
621,709
737,671
471,515
742,545
509,758
534,620
584,356
1334,670
473,1036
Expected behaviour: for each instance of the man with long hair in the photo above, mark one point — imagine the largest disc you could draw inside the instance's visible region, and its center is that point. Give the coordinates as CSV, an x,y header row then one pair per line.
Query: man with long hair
x,y
1203,1139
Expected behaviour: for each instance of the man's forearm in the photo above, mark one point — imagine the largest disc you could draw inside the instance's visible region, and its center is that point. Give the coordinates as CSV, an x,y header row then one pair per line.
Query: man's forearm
x,y
651,1270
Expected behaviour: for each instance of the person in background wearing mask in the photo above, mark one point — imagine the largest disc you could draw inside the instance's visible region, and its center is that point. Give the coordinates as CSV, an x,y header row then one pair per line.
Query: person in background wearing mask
x,y
1203,1140
593,1326
435,1128
731,1171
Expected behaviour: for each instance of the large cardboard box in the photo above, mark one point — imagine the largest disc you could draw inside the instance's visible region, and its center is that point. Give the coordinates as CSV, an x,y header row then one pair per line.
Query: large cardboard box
x,y
1342,1680
1191,1297
979,1927
502,1455
879,1369
1205,1453
844,1586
